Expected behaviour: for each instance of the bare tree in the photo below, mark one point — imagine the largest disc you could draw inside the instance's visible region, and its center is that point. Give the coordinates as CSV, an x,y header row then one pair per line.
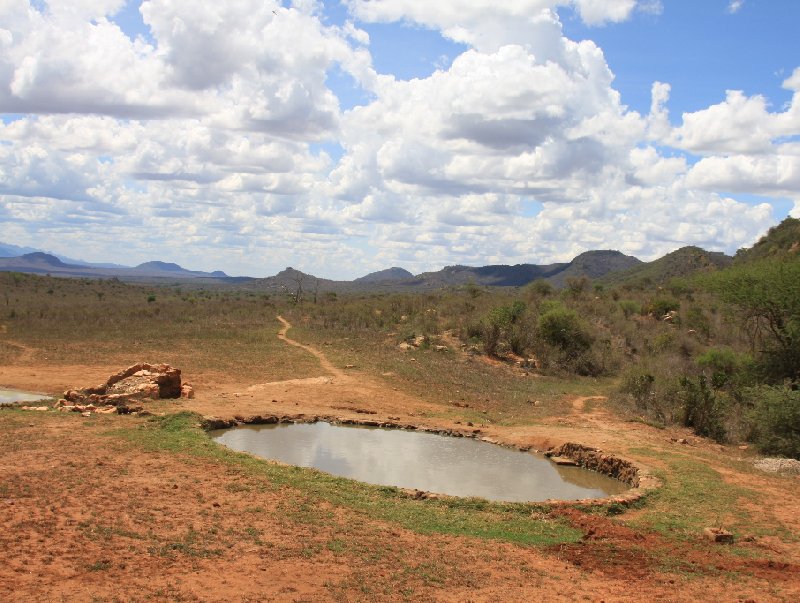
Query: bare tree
x,y
316,288
298,279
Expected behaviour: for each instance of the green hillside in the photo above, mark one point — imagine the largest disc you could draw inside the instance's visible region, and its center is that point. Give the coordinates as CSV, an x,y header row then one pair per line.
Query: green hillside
x,y
780,241
682,262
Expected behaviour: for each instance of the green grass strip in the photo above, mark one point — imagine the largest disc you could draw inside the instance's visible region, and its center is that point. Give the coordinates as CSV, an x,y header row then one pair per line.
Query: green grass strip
x,y
518,523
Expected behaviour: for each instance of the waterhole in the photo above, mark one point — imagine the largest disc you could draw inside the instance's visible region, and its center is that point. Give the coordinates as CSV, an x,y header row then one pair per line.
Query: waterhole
x,y
8,396
423,461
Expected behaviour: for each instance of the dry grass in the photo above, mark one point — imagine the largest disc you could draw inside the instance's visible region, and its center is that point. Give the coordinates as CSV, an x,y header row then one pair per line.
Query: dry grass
x,y
107,322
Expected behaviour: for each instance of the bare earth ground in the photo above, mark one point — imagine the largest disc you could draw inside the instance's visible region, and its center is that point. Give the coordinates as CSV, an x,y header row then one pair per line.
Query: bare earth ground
x,y
86,515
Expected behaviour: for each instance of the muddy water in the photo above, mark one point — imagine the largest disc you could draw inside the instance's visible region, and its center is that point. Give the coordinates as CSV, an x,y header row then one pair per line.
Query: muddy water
x,y
409,459
8,396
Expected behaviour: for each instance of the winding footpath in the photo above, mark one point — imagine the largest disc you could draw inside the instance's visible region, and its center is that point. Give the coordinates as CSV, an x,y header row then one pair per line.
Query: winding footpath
x,y
326,364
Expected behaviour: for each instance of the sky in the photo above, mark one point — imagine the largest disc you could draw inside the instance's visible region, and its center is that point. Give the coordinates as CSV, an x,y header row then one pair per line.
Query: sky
x,y
344,137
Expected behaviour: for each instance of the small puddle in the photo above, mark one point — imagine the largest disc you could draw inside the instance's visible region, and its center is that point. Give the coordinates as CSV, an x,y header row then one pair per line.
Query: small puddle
x,y
423,461
9,396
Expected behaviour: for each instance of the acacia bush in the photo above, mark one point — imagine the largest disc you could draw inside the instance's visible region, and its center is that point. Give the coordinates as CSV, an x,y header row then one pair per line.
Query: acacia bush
x,y
767,297
660,306
775,420
702,409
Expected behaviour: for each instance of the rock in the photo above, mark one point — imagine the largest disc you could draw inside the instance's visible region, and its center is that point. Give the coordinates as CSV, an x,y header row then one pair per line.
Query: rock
x,y
187,391
87,413
138,381
670,316
718,535
778,465
440,348
349,366
564,461
210,422
72,395
36,408
124,409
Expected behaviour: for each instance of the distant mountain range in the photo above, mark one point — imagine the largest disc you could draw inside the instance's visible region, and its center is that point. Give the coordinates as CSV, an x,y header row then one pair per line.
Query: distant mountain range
x,y
590,264
608,267
38,262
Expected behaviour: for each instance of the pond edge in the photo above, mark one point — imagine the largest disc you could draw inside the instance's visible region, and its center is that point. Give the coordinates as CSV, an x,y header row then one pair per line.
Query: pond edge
x,y
641,481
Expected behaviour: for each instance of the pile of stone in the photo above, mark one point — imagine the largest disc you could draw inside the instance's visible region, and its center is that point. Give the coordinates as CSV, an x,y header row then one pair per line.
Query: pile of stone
x,y
779,465
420,341
125,391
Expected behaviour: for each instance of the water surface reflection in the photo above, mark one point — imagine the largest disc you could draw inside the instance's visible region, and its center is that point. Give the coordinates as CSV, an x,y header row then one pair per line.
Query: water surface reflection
x,y
410,459
9,395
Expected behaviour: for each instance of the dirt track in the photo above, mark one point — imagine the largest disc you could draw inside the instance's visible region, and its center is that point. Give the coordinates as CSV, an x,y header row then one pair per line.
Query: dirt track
x,y
86,516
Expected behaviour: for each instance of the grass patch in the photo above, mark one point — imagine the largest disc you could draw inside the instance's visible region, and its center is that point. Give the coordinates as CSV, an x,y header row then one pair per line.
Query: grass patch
x,y
518,523
469,386
99,566
694,496
192,544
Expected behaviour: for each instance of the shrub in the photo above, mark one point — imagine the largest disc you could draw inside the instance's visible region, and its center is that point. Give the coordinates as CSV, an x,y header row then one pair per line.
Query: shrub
x,y
776,420
577,286
695,319
660,306
630,307
768,295
563,329
490,335
726,366
639,385
662,342
702,410
540,287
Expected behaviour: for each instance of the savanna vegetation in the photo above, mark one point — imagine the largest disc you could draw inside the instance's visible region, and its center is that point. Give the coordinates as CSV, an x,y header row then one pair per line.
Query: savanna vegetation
x,y
716,350
705,344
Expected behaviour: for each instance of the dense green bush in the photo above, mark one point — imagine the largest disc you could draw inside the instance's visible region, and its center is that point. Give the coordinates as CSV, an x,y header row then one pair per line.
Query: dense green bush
x,y
540,288
639,385
660,306
498,327
562,328
768,297
776,420
630,307
727,368
702,409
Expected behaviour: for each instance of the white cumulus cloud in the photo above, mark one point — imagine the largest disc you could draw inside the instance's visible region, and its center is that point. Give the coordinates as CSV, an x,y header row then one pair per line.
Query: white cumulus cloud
x,y
207,141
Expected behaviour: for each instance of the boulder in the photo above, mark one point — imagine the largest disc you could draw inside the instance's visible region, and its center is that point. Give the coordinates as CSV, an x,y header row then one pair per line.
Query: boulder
x,y
137,382
715,534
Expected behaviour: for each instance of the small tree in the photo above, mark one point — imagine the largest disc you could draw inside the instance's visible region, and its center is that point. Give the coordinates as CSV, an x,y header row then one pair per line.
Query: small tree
x,y
563,329
768,295
298,278
776,420
540,288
